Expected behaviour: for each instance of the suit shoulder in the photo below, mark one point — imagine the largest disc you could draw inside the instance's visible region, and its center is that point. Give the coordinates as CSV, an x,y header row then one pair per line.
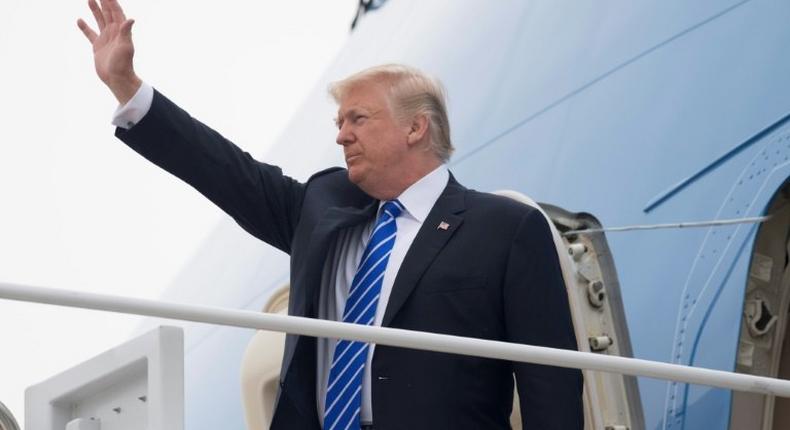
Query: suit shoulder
x,y
333,184
330,174
499,205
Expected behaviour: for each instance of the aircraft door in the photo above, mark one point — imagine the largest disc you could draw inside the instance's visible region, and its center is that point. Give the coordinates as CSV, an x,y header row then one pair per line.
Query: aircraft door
x,y
260,367
611,401
764,346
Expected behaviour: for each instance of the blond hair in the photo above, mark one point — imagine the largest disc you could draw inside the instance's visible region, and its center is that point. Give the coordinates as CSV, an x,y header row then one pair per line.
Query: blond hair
x,y
411,93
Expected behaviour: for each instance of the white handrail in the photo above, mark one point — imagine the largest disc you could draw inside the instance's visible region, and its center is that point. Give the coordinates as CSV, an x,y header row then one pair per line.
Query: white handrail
x,y
398,337
687,224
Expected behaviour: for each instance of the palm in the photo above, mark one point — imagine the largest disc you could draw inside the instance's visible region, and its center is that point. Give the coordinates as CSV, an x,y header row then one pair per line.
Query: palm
x,y
113,50
112,53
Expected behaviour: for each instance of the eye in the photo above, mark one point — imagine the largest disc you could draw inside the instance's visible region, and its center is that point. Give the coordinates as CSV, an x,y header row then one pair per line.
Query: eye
x,y
359,119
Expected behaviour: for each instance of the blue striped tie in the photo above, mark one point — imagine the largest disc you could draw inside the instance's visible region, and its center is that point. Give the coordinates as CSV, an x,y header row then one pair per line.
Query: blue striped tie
x,y
344,388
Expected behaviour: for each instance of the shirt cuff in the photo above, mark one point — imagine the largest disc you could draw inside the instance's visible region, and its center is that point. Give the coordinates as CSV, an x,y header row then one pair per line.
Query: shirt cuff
x,y
134,110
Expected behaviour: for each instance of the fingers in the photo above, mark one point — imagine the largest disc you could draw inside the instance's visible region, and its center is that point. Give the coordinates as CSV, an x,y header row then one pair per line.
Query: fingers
x,y
97,14
86,30
117,11
112,11
106,12
126,28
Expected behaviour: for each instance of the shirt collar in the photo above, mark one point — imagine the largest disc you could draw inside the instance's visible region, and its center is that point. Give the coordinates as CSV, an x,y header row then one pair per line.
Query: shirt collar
x,y
420,197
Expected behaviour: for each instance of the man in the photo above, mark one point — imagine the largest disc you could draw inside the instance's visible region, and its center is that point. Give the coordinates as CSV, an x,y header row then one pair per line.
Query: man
x,y
393,240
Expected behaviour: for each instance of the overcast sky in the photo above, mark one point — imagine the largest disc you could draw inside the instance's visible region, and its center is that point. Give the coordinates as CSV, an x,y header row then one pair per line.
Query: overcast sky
x,y
82,211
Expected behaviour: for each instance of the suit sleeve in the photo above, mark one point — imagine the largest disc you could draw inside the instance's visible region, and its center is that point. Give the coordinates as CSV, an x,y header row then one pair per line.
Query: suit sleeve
x,y
537,313
258,196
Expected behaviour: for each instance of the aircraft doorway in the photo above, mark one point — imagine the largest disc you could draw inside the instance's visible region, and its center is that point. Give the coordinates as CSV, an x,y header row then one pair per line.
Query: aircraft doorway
x,y
764,346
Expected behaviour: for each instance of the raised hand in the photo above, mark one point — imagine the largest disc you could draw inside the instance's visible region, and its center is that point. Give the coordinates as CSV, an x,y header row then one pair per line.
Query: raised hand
x,y
113,50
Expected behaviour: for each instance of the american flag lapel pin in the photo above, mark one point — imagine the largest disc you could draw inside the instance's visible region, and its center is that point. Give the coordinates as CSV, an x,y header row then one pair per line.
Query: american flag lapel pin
x,y
443,226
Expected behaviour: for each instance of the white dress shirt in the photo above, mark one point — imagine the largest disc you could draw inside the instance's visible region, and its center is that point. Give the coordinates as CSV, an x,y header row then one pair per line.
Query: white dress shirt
x,y
341,264
134,110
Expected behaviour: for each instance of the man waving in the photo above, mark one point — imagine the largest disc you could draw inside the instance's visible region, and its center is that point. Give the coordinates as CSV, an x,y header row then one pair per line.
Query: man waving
x,y
392,240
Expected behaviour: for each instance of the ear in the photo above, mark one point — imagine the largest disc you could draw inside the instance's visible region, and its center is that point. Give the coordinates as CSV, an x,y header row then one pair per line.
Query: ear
x,y
418,130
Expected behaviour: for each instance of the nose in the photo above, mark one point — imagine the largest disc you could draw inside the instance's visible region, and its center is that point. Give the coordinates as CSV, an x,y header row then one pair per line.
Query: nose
x,y
344,135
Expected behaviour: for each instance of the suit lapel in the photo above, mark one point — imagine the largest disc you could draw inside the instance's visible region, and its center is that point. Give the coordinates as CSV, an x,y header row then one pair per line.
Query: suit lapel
x,y
440,225
324,236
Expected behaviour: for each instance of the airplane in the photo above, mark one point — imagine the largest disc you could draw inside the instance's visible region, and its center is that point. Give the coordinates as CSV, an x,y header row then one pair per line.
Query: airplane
x,y
647,115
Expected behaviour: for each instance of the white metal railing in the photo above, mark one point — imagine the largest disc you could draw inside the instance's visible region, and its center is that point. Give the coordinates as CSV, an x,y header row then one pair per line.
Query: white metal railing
x,y
398,337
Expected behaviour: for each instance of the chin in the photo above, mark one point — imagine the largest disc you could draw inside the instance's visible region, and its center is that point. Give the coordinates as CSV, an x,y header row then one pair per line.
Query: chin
x,y
358,178
354,175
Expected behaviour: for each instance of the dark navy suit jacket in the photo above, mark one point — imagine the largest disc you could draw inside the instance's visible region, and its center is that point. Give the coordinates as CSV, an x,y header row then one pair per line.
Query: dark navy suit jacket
x,y
493,274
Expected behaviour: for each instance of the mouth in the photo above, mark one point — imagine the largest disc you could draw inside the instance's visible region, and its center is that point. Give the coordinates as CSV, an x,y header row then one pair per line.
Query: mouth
x,y
350,158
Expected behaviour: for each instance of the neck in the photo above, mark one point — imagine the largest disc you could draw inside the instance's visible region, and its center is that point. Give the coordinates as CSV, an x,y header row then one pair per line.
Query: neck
x,y
404,179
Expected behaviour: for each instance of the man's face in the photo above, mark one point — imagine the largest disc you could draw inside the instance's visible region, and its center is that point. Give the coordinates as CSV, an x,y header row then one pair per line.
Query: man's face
x,y
374,141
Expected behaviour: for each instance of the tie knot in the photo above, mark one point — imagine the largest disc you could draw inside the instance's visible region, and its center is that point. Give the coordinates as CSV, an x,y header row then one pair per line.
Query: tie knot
x,y
393,208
